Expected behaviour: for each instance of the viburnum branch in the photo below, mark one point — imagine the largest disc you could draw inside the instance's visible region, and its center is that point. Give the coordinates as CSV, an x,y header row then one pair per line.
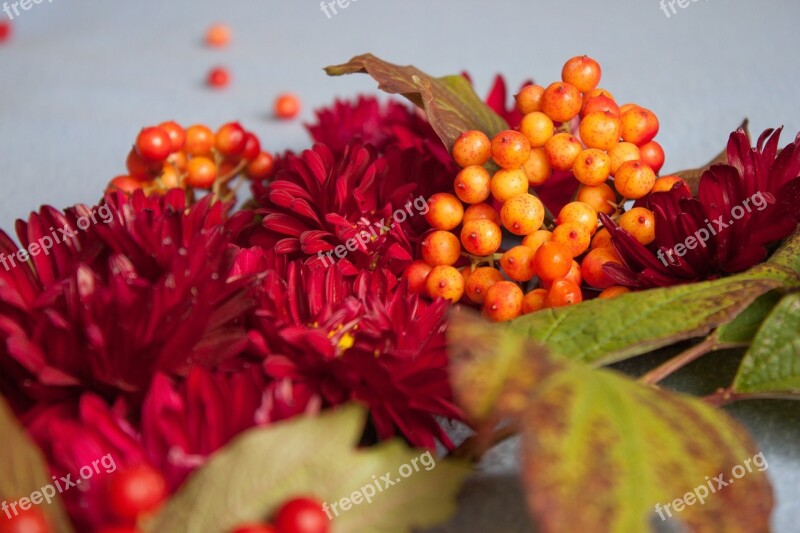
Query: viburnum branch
x,y
474,448
710,344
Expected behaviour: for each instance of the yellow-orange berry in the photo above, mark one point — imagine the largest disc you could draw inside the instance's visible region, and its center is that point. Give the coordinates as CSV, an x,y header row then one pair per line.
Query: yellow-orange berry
x,y
562,150
599,92
481,212
613,292
201,172
535,239
600,197
472,148
510,149
537,169
529,99
622,153
445,282
639,125
574,236
561,101
640,223
481,237
634,179
666,183
480,281
522,214
506,184
503,301
537,127
518,264
534,301
583,72
472,184
444,211
592,167
600,129
601,239
579,213
552,260
441,248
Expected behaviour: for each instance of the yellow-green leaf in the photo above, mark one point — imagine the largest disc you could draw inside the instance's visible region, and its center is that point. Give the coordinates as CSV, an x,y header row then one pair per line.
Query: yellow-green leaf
x,y
251,477
23,470
602,453
605,331
772,365
450,102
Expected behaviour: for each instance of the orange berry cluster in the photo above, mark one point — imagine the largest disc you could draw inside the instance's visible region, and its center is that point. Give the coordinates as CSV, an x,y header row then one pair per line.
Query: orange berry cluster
x,y
168,156
570,126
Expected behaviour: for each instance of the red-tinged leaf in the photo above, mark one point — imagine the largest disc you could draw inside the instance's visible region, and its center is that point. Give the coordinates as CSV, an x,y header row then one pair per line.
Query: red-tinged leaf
x,y
450,102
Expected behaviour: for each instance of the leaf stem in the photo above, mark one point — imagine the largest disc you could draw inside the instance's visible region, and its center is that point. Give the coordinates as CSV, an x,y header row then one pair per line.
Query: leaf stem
x,y
476,446
726,396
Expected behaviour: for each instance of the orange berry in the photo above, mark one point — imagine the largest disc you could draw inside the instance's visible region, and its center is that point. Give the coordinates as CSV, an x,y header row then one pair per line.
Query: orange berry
x,y
125,184
444,211
537,127
574,275
563,293
535,239
653,155
416,273
561,101
503,301
534,301
562,150
665,184
602,239
518,264
529,99
624,108
201,172
481,212
481,237
579,213
537,169
634,179
199,140
592,167
506,184
480,281
639,125
583,72
613,292
592,267
472,148
599,104
287,106
466,273
600,130
441,248
445,282
600,197
640,223
574,236
510,149
169,178
622,153
218,35
178,160
598,92
553,260
472,184
522,214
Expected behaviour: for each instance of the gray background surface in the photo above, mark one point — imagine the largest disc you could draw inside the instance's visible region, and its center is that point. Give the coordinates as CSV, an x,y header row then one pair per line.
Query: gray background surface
x,y
81,77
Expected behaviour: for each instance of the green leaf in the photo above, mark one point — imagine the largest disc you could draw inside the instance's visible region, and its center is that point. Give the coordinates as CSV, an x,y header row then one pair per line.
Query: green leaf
x,y
772,365
252,476
741,330
601,452
605,331
450,102
24,470
787,258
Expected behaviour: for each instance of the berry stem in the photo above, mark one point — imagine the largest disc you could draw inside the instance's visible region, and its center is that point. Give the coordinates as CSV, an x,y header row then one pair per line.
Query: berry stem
x,y
710,344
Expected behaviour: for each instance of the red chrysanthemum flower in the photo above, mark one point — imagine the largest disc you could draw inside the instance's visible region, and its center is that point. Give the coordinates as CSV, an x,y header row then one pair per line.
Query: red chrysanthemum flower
x,y
144,289
326,339
742,208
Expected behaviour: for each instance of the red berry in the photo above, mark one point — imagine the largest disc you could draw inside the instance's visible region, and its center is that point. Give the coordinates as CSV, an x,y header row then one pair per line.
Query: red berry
x,y
261,167
231,139
120,529
153,144
125,184
287,106
219,77
255,528
140,169
136,490
177,135
30,521
252,147
302,515
5,31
